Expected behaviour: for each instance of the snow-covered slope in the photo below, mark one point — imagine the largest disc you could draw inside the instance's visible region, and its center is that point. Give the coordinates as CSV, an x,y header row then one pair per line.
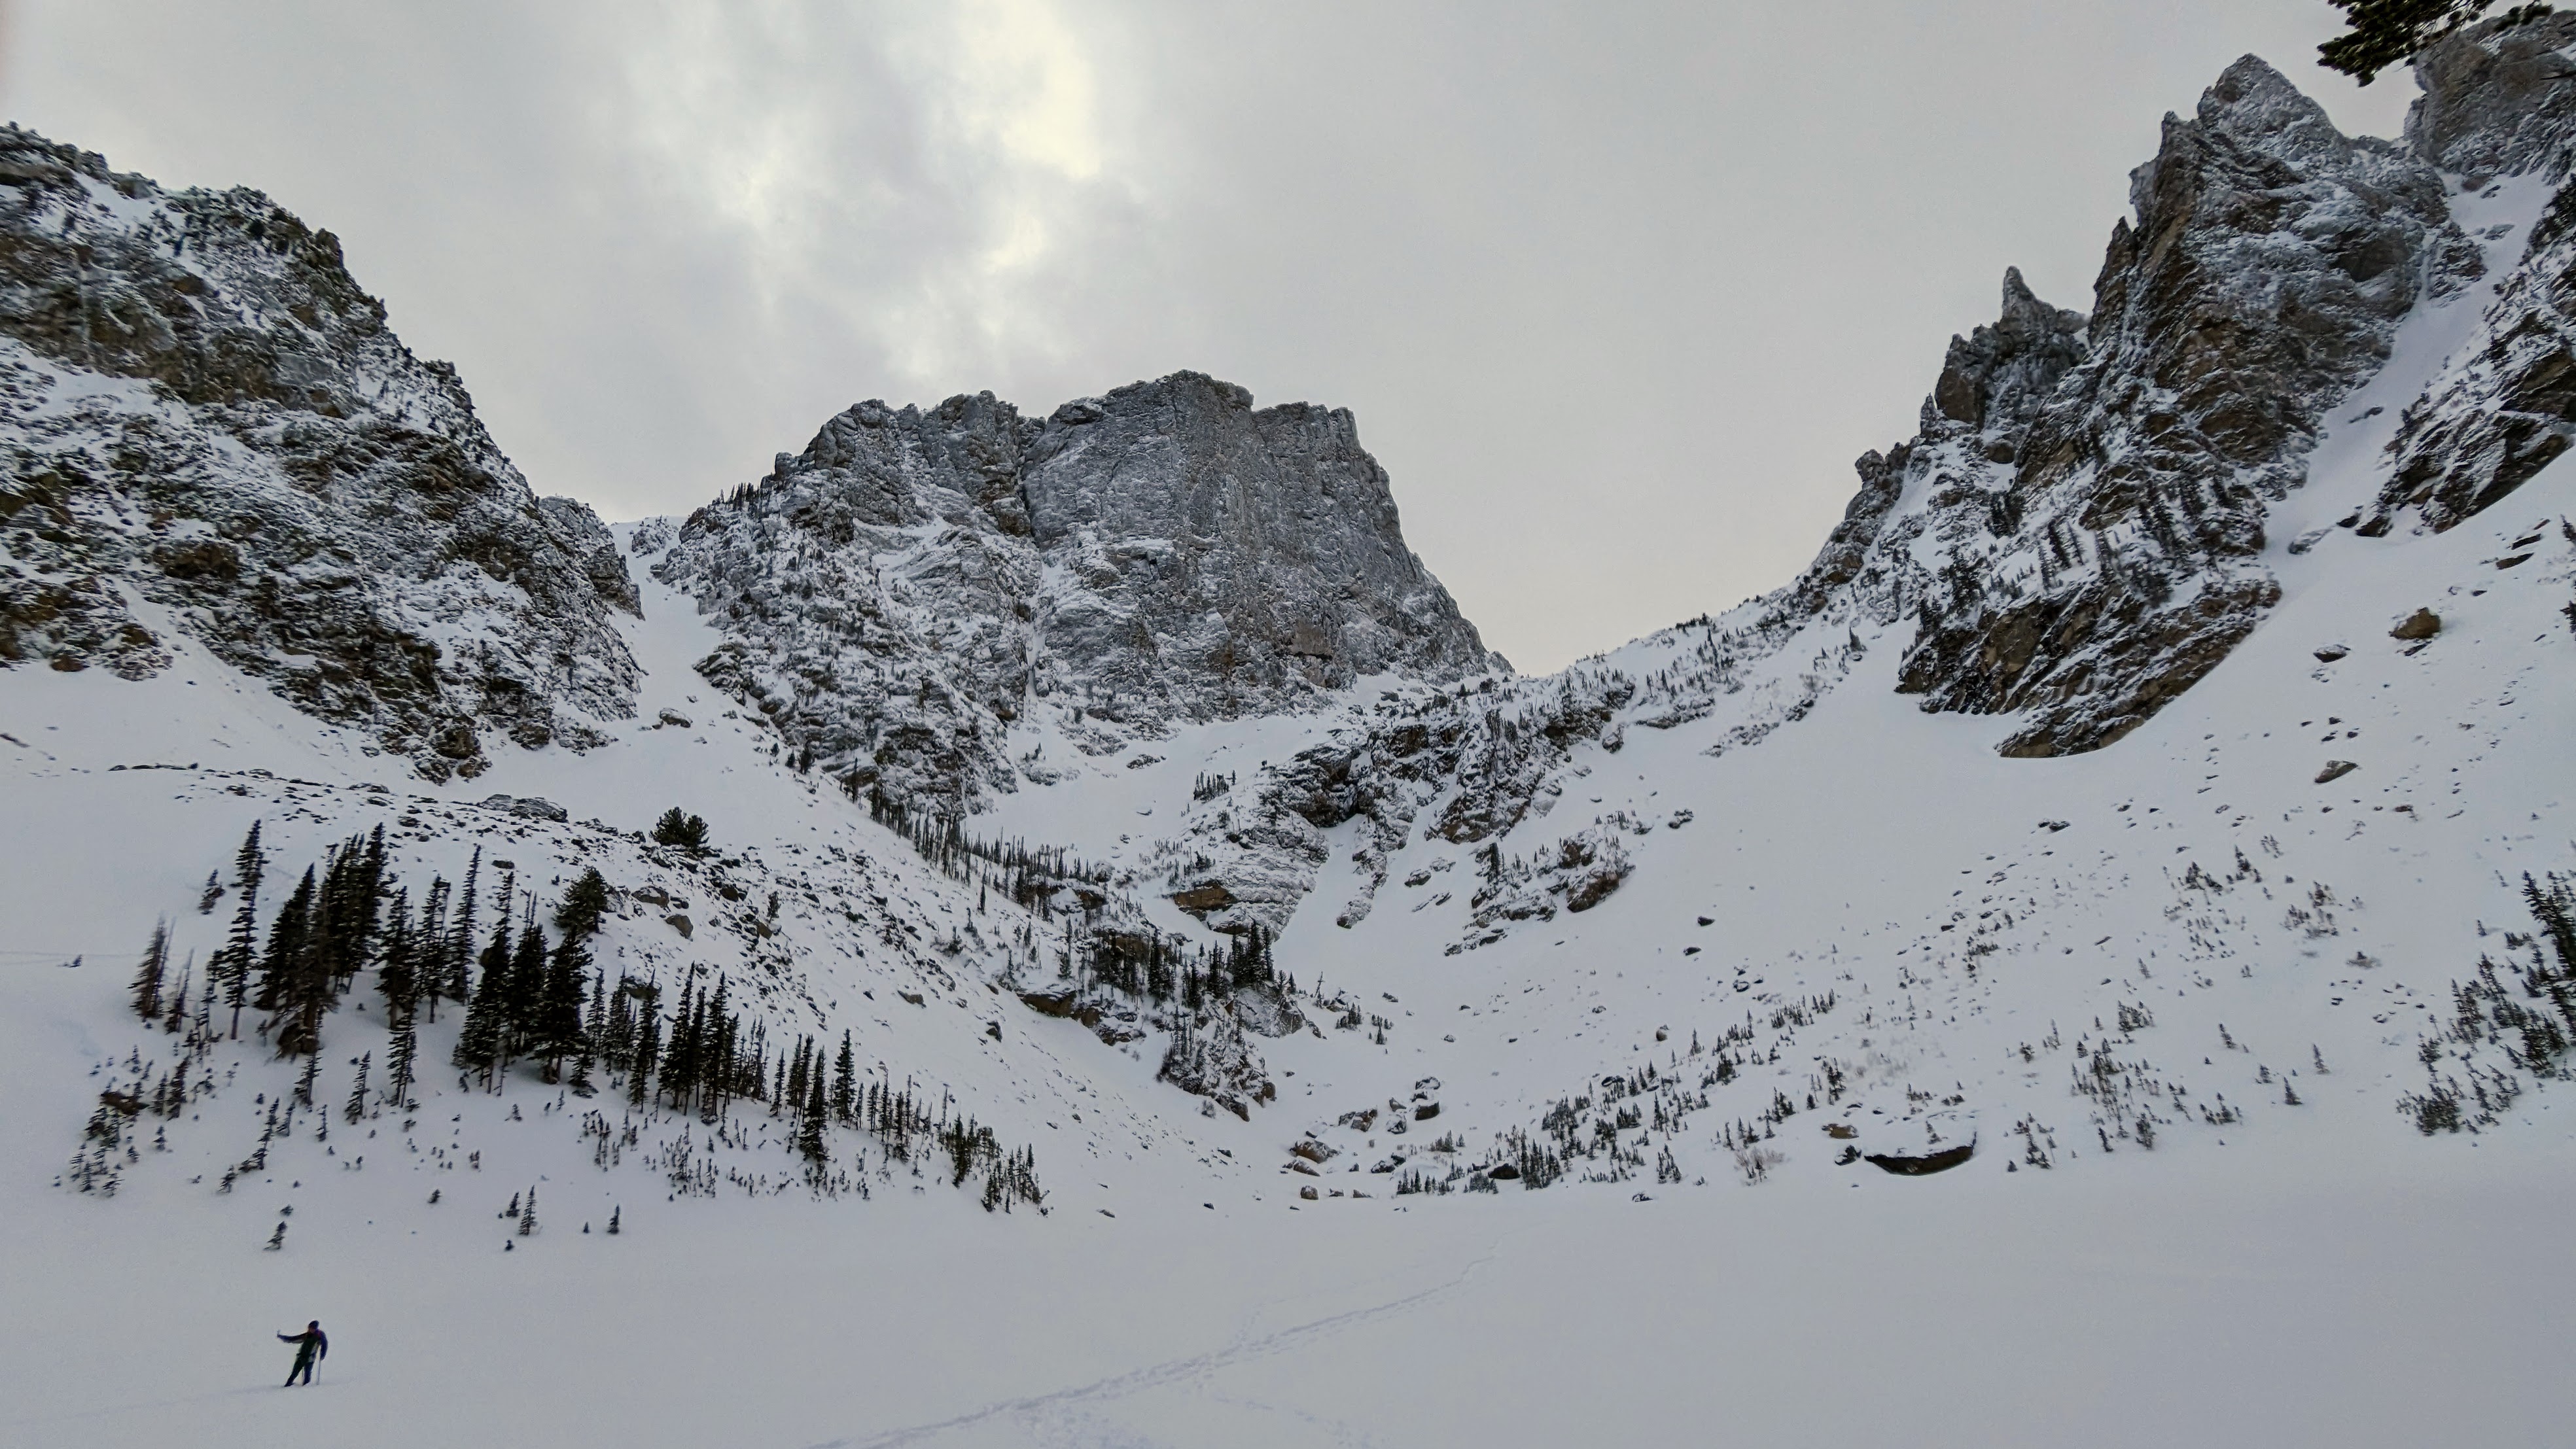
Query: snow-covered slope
x,y
2081,957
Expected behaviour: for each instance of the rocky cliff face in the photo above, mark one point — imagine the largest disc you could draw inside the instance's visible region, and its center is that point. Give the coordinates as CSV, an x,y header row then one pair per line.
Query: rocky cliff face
x,y
209,428
915,583
2498,102
2099,486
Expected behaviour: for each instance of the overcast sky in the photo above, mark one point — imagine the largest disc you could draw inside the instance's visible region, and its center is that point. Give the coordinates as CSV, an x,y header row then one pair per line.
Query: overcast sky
x,y
1617,290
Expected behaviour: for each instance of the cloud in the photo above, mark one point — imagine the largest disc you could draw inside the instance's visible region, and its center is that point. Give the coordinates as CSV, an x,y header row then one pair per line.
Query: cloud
x,y
910,177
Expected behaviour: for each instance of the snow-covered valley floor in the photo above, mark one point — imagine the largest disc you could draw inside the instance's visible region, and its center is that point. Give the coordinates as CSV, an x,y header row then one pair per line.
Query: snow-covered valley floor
x,y
2284,1301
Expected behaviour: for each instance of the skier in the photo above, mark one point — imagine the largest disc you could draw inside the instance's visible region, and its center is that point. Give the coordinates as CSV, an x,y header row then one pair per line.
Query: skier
x,y
310,1348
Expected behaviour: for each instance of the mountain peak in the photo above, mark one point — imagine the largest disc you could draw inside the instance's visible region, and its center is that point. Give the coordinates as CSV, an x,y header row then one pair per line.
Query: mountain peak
x,y
1160,553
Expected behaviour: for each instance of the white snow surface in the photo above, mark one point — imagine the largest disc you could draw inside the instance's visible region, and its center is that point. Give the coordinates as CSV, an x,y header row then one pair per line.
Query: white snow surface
x,y
2264,1272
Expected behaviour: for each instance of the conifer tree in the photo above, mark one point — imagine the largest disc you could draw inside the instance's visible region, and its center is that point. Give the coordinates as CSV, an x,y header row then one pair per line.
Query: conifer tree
x,y
480,1045
809,1133
282,970
213,892
594,1032
148,976
398,978
584,904
678,828
556,1028
460,953
679,1059
178,998
524,996
241,948
250,862
2385,33
402,1060
397,966
648,1047
844,1082
433,974
356,1110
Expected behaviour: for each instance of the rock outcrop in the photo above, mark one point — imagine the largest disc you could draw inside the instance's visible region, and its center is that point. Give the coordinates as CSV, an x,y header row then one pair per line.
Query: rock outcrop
x,y
2099,486
2498,101
208,427
915,583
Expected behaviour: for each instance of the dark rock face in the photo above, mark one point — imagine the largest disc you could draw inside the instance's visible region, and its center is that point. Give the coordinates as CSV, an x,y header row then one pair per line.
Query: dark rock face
x,y
2497,101
1996,378
199,404
2100,485
913,583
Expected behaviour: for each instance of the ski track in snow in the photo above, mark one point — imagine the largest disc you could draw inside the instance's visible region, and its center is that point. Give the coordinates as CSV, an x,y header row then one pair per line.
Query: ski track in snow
x,y
1043,1410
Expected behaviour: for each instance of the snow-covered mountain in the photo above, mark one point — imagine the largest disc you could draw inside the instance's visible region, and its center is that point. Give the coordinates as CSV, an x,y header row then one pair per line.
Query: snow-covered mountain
x,y
2158,784
211,433
903,592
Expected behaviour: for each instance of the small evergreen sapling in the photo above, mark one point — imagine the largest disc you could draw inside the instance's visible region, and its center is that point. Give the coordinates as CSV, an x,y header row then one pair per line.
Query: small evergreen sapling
x,y
356,1110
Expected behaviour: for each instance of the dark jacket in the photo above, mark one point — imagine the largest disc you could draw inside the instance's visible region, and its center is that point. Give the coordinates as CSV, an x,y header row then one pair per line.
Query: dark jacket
x,y
308,1344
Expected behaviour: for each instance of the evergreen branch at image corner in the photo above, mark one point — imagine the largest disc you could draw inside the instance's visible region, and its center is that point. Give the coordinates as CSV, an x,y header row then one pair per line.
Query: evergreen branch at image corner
x,y
2384,33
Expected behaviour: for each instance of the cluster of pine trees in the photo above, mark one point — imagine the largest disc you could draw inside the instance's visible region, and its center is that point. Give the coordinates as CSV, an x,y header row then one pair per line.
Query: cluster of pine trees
x,y
528,1001
1144,965
2523,1007
1158,968
532,1001
1030,877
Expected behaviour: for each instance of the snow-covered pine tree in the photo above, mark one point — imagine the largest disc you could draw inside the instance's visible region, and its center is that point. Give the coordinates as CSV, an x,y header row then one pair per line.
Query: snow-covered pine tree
x,y
177,997
461,941
584,904
430,947
523,996
555,1028
809,1132
845,1082
241,948
281,968
480,1045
